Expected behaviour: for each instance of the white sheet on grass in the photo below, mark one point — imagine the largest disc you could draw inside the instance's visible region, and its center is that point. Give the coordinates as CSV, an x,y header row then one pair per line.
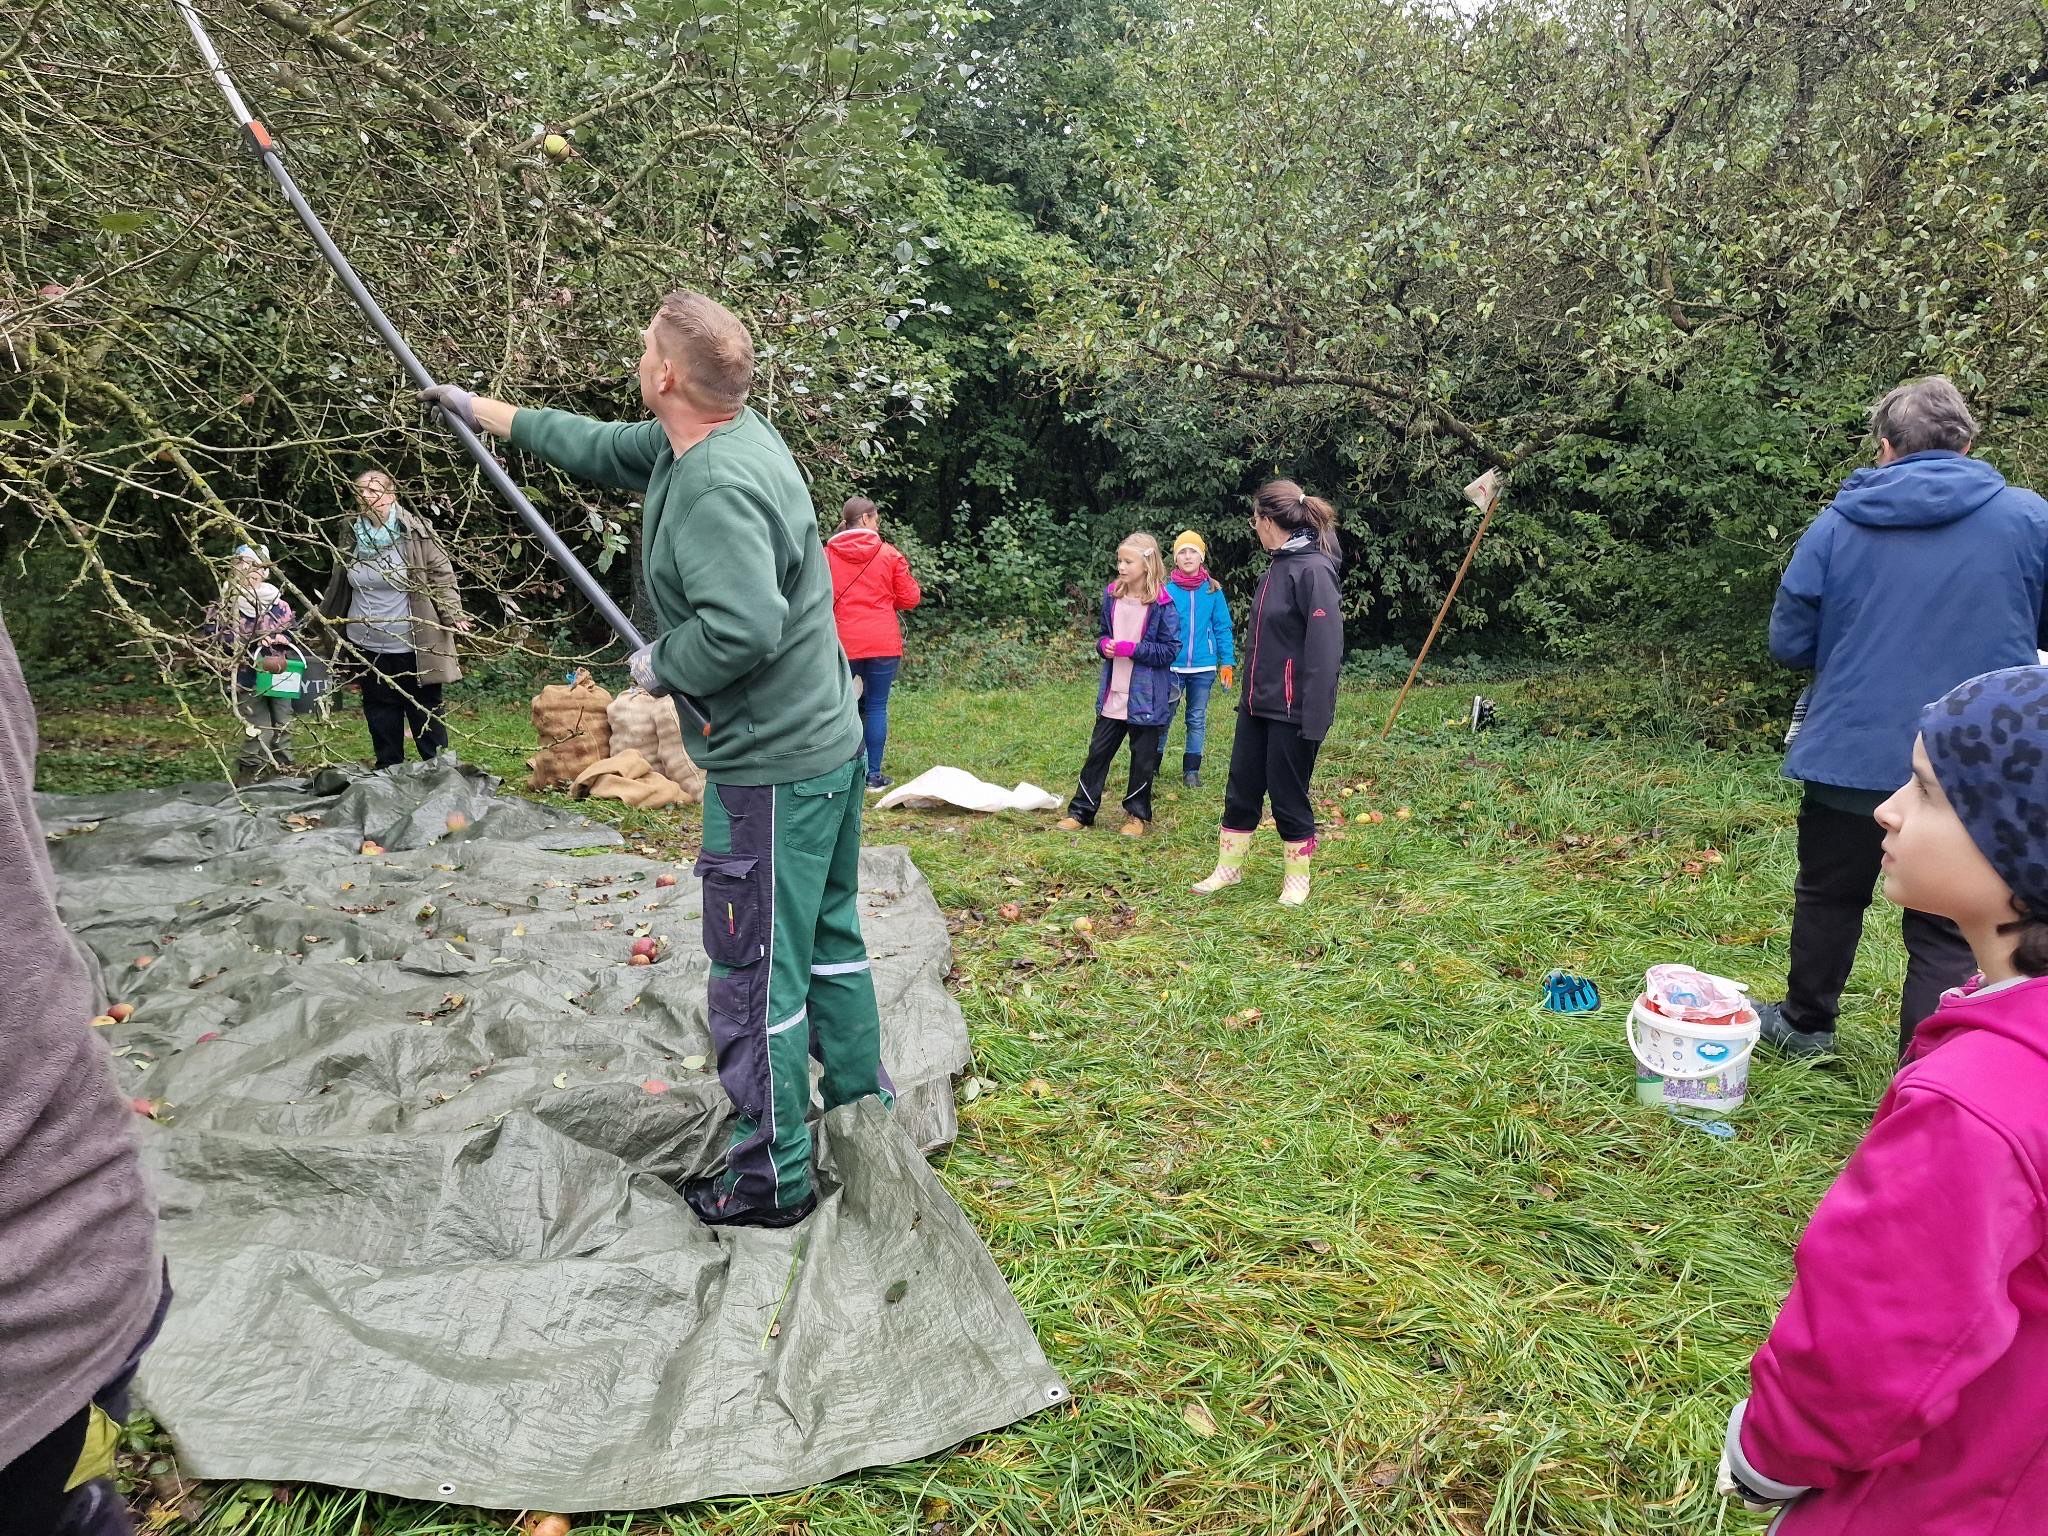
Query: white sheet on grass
x,y
957,787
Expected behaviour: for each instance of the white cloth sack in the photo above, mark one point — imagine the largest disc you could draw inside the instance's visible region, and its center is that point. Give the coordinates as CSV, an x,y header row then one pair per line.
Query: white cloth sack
x,y
958,787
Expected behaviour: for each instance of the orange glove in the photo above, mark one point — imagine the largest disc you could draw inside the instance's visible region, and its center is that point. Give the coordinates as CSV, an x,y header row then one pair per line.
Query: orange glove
x,y
1227,676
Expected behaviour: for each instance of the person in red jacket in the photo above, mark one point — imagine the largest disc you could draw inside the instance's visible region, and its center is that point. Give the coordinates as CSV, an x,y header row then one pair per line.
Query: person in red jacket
x,y
871,584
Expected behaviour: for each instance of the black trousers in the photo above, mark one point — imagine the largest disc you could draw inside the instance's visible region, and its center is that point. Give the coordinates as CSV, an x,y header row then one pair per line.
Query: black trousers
x,y
1146,742
1269,760
32,1497
395,701
1840,855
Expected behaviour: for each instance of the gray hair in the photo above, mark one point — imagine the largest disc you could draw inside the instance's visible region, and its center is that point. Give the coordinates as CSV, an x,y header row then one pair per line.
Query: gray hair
x,y
1923,414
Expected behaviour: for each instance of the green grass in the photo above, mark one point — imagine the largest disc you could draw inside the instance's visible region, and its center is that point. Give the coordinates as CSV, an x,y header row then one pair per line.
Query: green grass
x,y
1327,1181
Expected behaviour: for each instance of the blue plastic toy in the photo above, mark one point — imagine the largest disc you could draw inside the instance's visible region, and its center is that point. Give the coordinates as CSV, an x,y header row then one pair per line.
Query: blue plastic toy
x,y
1566,993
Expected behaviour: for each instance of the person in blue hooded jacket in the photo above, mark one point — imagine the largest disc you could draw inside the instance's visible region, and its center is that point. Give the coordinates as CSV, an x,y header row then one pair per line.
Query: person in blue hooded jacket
x,y
1208,650
1926,570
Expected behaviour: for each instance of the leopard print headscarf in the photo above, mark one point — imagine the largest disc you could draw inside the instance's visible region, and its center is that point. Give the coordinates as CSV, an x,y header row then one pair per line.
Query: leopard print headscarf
x,y
1988,742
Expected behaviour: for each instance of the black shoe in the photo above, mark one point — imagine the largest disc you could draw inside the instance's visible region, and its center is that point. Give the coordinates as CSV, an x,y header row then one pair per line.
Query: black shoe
x,y
1191,769
1775,1032
879,781
716,1210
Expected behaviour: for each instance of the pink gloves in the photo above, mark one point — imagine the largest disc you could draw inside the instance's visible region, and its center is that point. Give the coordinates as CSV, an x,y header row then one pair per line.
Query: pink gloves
x,y
1109,647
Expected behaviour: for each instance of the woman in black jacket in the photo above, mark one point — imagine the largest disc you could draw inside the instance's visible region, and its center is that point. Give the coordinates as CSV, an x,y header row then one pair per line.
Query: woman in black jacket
x,y
1293,648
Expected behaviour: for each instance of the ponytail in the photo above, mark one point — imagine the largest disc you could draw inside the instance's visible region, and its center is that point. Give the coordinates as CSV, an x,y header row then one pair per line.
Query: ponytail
x,y
1287,504
2030,954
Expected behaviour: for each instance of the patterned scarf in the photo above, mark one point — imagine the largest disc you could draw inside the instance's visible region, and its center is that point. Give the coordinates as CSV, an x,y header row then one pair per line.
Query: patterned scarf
x,y
1988,742
372,539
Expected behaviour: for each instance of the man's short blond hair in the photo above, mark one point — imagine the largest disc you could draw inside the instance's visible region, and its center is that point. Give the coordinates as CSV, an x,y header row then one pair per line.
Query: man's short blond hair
x,y
709,346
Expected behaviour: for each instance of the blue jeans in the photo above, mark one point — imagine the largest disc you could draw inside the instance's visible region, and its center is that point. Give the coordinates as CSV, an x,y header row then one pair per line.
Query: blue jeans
x,y
876,674
1196,686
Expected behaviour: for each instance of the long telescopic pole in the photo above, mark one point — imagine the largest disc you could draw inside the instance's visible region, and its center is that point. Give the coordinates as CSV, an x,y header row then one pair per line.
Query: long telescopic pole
x,y
1483,493
265,149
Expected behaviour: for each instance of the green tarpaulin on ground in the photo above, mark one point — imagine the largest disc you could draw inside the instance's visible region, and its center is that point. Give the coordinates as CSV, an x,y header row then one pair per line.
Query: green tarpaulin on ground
x,y
419,1127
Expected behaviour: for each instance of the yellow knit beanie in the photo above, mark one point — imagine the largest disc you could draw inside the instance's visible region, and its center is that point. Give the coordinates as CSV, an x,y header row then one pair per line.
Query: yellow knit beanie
x,y
1189,536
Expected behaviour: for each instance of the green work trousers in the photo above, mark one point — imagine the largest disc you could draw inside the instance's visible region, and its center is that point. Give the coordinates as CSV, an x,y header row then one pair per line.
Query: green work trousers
x,y
789,972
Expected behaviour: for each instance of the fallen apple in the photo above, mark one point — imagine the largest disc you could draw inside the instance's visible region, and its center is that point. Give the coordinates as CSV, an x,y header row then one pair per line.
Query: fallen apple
x,y
549,1525
1347,791
641,960
457,821
104,1021
1403,814
120,1013
555,147
1009,912
1362,817
654,1085
1375,817
144,962
1084,925
370,846
647,947
663,882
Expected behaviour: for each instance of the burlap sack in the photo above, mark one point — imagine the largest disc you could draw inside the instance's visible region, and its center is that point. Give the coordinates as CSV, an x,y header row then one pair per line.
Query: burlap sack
x,y
628,778
650,726
573,728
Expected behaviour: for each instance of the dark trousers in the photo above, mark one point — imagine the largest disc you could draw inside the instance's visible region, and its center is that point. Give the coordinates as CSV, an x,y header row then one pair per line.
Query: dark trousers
x,y
876,673
395,701
1146,744
1840,854
32,1497
1269,760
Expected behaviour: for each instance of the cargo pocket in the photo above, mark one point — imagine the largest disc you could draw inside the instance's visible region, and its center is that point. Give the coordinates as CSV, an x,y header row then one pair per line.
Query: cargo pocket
x,y
735,913
818,807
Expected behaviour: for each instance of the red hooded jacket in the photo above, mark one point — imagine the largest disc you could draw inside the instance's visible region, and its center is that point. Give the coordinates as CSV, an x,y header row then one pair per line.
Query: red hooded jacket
x,y
871,584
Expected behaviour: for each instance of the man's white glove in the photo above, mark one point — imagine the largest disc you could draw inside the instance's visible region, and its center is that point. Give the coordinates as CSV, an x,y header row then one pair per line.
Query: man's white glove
x,y
641,665
455,400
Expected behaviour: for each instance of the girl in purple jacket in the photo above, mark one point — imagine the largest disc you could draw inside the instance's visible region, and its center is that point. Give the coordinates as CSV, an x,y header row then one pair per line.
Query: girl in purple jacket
x,y
1904,1387
1137,640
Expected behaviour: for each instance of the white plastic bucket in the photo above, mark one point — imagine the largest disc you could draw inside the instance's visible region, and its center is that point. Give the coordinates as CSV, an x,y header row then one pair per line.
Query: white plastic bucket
x,y
1691,1066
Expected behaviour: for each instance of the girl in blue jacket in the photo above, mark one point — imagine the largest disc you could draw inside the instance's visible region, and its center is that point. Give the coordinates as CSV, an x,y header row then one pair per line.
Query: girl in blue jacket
x,y
1138,638
1208,650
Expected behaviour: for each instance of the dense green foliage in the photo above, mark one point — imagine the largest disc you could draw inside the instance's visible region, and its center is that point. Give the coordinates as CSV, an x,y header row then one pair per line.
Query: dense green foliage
x,y
1033,276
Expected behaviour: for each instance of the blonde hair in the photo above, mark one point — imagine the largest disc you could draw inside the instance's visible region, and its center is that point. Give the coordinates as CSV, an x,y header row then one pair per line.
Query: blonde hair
x,y
1153,581
710,347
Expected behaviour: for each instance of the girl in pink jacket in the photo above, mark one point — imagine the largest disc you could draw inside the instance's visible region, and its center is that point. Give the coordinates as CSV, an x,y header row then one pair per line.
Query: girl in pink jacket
x,y
1904,1387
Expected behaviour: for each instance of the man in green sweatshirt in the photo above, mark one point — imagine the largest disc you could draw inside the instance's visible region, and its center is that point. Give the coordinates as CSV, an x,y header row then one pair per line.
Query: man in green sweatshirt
x,y
737,578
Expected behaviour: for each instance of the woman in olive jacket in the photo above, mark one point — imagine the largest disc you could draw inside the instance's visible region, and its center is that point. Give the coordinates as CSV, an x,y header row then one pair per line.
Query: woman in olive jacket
x,y
394,590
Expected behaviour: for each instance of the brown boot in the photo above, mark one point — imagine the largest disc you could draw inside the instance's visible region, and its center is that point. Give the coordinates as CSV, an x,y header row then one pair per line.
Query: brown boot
x,y
1134,828
1069,824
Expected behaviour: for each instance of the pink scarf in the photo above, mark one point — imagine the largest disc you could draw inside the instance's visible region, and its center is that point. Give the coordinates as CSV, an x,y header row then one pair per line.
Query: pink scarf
x,y
1181,578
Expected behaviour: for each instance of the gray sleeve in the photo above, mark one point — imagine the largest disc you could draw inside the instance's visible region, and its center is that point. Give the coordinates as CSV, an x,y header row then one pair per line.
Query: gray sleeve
x,y
1752,1480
